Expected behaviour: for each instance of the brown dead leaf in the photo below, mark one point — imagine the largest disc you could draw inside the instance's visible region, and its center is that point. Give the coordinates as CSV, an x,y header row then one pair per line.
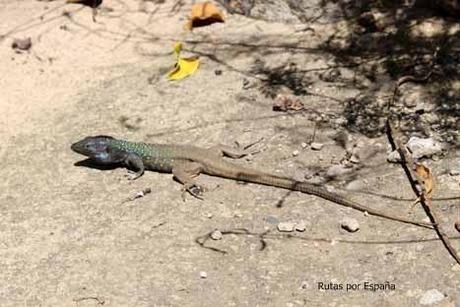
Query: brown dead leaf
x,y
285,103
204,14
427,177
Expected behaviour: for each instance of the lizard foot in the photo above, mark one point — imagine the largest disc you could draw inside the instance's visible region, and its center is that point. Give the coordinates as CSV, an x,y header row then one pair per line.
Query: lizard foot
x,y
133,175
193,189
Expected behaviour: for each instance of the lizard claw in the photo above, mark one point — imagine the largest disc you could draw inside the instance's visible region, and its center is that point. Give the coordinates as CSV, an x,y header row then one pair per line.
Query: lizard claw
x,y
193,189
133,175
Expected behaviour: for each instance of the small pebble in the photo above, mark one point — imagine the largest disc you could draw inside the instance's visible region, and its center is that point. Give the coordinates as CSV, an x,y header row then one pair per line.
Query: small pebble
x,y
301,226
216,235
295,153
304,145
316,146
203,274
22,44
349,224
431,297
354,159
286,226
419,148
304,285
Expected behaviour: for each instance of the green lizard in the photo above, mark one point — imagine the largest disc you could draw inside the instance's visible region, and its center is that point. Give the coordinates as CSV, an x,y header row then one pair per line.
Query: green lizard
x,y
187,162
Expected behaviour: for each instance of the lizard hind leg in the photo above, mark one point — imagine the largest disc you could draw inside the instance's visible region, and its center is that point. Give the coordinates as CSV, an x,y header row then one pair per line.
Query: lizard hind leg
x,y
237,152
186,173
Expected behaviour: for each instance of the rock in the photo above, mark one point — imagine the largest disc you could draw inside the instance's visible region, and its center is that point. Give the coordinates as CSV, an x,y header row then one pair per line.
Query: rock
x,y
423,147
22,44
304,145
349,224
316,146
203,274
354,159
394,157
454,172
420,148
457,225
286,226
431,297
295,153
301,226
216,235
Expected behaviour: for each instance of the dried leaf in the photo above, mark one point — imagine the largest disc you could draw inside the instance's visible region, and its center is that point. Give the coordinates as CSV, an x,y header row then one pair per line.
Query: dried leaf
x,y
427,177
204,14
287,102
184,67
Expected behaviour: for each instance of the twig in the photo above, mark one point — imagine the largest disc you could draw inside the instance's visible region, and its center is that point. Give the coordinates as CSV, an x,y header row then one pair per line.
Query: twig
x,y
97,299
410,78
137,195
407,164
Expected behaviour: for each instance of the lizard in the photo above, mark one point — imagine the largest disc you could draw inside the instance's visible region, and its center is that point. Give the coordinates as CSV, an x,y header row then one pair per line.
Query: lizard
x,y
186,162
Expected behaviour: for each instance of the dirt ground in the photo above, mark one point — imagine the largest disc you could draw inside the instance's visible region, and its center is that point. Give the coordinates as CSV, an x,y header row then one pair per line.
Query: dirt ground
x,y
68,237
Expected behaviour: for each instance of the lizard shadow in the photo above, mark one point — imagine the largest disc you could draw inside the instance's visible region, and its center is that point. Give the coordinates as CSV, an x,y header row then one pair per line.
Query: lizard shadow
x,y
91,164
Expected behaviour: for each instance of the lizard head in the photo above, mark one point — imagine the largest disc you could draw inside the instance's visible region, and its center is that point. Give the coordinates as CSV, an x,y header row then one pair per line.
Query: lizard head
x,y
94,147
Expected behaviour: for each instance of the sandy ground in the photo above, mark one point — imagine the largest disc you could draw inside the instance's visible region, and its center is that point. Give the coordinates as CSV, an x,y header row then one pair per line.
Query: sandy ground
x,y
67,238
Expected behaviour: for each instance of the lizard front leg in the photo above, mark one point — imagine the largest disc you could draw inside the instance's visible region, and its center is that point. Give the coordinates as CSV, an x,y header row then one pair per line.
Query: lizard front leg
x,y
134,161
186,173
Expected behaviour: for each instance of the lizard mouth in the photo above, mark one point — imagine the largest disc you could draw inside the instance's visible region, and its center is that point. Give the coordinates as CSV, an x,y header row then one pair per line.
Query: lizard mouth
x,y
79,147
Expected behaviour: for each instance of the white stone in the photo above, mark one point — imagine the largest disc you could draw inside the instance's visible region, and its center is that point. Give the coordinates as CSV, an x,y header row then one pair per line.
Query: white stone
x,y
203,274
301,226
316,146
286,226
431,297
216,235
349,224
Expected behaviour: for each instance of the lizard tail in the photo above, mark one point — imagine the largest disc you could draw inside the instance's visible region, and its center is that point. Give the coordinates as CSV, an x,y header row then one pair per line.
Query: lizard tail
x,y
248,175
